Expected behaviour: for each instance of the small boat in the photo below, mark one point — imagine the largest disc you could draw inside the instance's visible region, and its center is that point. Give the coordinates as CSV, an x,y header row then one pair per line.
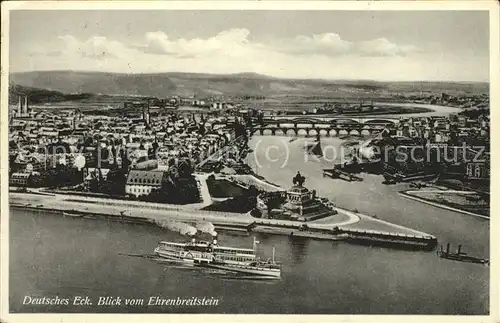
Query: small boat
x,y
337,173
460,256
417,185
73,214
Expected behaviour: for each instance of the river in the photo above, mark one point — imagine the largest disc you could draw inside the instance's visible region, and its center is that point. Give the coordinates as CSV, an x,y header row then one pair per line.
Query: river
x,y
437,110
52,255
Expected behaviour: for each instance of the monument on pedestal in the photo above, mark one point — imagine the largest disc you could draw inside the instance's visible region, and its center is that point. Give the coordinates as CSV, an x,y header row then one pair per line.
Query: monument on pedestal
x,y
296,204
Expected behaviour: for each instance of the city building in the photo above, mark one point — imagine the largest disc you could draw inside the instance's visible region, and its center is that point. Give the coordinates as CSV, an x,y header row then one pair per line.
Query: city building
x,y
20,179
143,182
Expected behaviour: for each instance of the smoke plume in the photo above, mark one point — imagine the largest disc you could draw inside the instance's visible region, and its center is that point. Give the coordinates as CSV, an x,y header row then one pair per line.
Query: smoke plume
x,y
180,227
206,227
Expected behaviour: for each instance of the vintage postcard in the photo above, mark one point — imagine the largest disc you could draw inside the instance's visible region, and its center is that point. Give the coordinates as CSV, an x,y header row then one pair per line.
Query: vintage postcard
x,y
305,158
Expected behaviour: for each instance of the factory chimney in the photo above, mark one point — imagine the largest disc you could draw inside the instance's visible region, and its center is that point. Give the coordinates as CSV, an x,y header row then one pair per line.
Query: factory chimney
x,y
145,113
25,105
20,106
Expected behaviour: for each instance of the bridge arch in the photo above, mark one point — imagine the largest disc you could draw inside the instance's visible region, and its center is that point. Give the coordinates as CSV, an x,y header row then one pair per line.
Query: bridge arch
x,y
302,132
333,132
312,132
323,132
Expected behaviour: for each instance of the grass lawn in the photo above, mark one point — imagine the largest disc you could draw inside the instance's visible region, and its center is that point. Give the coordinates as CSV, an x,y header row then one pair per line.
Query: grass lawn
x,y
220,188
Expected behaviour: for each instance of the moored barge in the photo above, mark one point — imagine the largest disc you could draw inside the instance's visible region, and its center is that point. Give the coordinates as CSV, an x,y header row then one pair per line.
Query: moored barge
x,y
460,256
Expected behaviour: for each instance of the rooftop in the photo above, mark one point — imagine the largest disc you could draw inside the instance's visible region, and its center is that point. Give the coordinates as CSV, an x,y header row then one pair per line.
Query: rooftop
x,y
145,177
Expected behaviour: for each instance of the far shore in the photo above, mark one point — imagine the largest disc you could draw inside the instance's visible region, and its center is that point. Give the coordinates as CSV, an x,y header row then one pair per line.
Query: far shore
x,y
410,195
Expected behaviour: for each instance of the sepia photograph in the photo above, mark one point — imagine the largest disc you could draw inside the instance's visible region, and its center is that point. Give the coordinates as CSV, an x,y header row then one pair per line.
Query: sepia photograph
x,y
247,159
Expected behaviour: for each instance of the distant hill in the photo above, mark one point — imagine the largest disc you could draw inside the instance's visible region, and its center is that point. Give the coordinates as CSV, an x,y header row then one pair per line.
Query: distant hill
x,y
40,96
166,84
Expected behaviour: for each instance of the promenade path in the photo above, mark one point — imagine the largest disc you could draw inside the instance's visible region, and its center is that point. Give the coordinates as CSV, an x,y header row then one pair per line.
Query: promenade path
x,y
206,199
155,211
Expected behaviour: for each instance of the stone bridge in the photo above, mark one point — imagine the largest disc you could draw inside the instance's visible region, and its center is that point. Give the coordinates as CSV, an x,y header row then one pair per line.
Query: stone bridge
x,y
323,126
345,119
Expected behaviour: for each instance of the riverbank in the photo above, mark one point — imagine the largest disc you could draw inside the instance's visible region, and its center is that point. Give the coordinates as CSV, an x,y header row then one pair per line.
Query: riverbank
x,y
380,110
364,227
414,196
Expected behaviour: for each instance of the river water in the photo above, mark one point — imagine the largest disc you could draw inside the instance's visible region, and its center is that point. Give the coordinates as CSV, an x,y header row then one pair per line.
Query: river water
x,y
66,257
437,110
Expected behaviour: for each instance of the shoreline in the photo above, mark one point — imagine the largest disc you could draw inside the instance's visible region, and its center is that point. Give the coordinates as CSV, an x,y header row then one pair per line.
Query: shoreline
x,y
372,231
408,195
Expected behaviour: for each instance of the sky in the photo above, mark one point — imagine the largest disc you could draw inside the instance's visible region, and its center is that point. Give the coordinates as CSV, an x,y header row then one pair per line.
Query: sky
x,y
375,45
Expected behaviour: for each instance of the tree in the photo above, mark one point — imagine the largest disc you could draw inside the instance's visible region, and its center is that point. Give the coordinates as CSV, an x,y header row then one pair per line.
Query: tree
x,y
153,150
36,180
99,175
271,204
93,182
61,175
185,169
260,118
252,191
256,213
180,191
201,128
117,180
124,156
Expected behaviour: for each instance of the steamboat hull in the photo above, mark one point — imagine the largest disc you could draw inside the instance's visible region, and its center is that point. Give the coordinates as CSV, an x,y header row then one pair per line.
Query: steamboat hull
x,y
464,258
249,270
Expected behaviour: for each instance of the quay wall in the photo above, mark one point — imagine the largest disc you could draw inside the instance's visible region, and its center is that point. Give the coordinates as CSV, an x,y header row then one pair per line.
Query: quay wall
x,y
119,211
